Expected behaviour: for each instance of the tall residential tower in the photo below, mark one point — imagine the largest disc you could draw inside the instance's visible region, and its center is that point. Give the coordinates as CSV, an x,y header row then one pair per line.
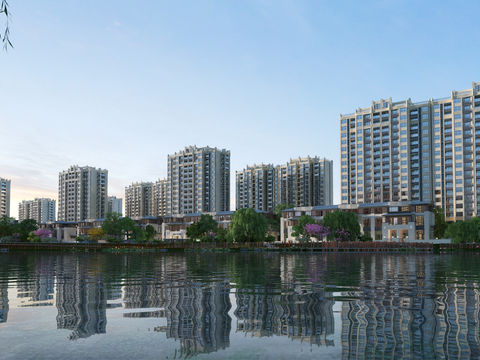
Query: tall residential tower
x,y
198,181
4,197
427,151
302,182
40,209
82,193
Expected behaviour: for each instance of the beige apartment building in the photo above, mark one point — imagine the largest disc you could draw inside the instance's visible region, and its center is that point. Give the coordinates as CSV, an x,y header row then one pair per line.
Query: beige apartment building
x,y
115,205
82,193
146,199
138,199
4,197
198,181
405,151
304,181
39,209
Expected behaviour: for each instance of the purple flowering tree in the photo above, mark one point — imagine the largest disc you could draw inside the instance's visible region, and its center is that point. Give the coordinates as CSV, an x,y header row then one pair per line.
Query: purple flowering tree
x,y
43,233
342,235
316,230
211,235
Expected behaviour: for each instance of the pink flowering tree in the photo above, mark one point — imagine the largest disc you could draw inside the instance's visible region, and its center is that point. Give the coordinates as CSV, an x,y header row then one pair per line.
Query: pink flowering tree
x,y
43,233
316,230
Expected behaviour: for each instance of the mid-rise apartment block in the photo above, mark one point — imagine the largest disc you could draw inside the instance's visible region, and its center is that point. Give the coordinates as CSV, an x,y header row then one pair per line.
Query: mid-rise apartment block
x,y
160,198
198,181
40,209
302,182
4,197
82,193
403,151
139,199
115,205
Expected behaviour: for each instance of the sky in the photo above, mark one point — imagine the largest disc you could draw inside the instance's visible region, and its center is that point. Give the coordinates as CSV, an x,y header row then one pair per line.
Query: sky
x,y
119,85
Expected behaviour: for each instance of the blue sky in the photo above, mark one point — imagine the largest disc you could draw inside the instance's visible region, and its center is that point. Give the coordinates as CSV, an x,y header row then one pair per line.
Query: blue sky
x,y
120,84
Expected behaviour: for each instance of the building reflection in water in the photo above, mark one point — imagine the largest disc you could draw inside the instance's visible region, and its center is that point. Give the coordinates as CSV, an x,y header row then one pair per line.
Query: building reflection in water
x,y
303,317
3,302
81,299
420,323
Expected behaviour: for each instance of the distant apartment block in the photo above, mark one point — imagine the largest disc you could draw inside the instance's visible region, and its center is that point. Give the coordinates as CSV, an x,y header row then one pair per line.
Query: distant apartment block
x,y
82,193
404,151
159,198
145,199
4,197
40,209
302,182
198,181
139,199
115,205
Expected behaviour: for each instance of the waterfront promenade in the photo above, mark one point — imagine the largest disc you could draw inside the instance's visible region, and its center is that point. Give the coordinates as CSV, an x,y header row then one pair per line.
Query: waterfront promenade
x,y
333,246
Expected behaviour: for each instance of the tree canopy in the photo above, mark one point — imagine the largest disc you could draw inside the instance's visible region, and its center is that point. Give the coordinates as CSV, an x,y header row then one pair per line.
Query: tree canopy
x,y
199,229
343,225
440,223
248,226
463,232
112,224
299,229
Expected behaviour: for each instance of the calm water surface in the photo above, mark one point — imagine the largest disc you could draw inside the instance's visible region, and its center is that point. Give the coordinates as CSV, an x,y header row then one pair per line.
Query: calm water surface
x,y
239,306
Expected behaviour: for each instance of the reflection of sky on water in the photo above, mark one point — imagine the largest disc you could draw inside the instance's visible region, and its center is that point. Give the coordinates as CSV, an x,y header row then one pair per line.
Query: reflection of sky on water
x,y
393,306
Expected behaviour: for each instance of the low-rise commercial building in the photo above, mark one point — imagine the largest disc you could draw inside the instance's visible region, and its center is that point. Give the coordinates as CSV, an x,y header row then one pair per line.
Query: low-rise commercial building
x,y
388,221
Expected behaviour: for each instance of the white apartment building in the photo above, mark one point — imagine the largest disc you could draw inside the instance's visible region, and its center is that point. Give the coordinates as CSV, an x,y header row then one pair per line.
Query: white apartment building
x,y
138,199
159,204
427,151
4,197
39,209
82,193
303,182
115,205
198,181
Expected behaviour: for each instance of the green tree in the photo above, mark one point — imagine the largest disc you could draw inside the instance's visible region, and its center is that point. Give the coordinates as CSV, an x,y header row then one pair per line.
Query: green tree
x,y
112,224
341,221
140,235
150,232
6,226
463,232
278,212
201,228
440,223
128,226
299,229
248,226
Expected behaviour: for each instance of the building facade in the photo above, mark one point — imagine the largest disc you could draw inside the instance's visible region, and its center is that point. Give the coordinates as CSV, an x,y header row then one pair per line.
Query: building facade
x,y
115,205
159,204
82,193
138,199
392,221
425,151
303,182
198,181
4,197
39,209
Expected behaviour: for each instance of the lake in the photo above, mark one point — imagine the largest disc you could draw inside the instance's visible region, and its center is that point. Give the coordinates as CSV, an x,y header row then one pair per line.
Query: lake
x,y
255,305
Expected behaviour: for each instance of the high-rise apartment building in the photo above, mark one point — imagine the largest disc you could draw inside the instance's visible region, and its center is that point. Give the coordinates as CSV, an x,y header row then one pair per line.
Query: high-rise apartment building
x,y
159,204
4,197
40,209
82,193
255,187
427,151
139,199
198,181
303,182
115,205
